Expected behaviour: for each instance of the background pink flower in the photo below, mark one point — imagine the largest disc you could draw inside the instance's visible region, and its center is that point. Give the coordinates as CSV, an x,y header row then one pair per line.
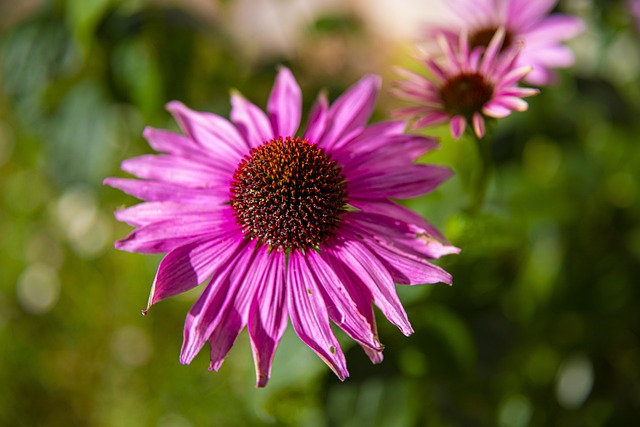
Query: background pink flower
x,y
464,86
524,20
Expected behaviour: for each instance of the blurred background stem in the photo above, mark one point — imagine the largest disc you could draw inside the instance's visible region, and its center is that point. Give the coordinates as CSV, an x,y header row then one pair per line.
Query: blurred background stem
x,y
479,185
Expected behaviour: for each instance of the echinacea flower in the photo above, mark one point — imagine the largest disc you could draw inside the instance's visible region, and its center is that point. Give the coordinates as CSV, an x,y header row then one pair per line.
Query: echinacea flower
x,y
288,224
465,86
526,21
633,7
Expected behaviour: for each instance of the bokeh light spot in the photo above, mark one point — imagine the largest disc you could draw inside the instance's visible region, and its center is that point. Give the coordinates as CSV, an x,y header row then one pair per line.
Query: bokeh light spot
x,y
173,419
131,346
86,228
514,411
38,288
574,381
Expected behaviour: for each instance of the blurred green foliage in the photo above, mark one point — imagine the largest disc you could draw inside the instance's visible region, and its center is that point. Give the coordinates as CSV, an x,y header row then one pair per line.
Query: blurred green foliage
x,y
541,327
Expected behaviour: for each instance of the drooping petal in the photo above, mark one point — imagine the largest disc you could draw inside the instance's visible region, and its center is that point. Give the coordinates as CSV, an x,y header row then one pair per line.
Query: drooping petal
x,y
212,305
513,103
458,125
188,266
342,310
431,119
360,295
234,317
357,258
407,269
436,243
309,316
405,236
268,317
478,125
495,110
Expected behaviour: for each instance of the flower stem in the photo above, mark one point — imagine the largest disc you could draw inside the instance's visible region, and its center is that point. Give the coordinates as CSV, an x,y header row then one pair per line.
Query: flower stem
x,y
480,183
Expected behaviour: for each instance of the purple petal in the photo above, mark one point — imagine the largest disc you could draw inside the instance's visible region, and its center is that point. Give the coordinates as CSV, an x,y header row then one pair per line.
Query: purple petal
x,y
555,28
342,310
376,136
150,212
412,76
391,152
268,317
515,75
520,92
154,191
213,304
495,110
437,243
433,119
489,57
375,356
359,293
167,235
224,336
172,143
309,315
357,258
251,121
177,170
407,269
404,236
318,118
187,266
285,104
211,131
449,53
558,56
512,103
458,125
439,75
524,12
411,181
351,111
235,316
478,125
540,75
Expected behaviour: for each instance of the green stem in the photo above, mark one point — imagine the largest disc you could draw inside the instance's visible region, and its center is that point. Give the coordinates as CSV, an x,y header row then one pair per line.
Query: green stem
x,y
480,184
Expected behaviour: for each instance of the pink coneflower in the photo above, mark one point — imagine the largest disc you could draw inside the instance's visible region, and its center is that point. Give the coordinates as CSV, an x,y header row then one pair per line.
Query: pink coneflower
x,y
634,9
525,21
465,87
289,225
